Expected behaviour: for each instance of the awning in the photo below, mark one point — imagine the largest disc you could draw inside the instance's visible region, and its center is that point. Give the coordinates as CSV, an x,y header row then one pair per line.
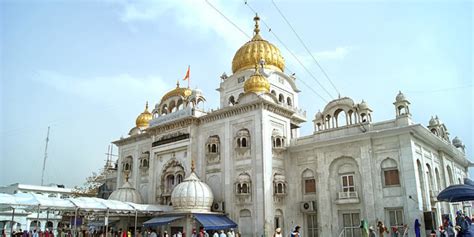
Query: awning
x,y
161,220
215,222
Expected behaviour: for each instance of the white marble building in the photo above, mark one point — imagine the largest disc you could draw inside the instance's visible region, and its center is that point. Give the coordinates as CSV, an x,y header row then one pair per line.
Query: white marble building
x,y
264,175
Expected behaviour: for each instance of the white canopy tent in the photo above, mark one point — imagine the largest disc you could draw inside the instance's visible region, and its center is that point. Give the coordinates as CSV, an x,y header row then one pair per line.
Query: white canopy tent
x,y
31,201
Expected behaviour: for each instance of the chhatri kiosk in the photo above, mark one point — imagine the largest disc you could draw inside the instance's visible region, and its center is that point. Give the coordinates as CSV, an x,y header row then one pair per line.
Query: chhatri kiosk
x,y
191,200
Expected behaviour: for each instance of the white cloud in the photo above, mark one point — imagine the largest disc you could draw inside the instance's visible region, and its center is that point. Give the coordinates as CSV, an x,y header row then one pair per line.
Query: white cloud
x,y
109,89
195,16
335,54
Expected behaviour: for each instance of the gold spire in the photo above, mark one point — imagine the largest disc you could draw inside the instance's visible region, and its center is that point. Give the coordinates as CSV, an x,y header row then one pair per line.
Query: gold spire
x,y
256,19
257,83
255,50
144,118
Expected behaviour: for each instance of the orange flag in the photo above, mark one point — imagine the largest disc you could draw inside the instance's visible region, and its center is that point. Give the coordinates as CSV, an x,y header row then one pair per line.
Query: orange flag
x,y
187,75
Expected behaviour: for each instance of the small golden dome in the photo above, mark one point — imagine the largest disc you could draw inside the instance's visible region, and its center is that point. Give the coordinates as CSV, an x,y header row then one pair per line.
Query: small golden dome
x,y
178,91
257,83
144,118
255,50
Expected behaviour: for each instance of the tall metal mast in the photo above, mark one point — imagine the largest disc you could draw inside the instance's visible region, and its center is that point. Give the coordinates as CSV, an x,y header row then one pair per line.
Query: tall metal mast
x,y
45,156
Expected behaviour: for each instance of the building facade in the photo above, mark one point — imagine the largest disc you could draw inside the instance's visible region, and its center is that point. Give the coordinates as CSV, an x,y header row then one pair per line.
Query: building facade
x,y
264,175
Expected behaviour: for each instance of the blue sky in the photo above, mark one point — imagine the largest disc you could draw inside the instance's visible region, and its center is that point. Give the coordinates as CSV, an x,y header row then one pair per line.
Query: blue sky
x,y
86,68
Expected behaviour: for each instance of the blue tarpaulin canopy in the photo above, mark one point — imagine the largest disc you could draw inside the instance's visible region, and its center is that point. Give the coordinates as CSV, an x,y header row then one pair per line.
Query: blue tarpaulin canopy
x,y
458,193
161,220
215,222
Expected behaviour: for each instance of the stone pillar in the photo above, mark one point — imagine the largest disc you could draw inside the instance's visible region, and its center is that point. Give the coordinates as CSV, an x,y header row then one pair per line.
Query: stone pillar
x,y
366,194
410,181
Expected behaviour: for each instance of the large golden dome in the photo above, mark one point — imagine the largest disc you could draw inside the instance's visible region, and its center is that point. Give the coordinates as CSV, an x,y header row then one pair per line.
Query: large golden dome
x,y
256,49
144,118
178,91
257,83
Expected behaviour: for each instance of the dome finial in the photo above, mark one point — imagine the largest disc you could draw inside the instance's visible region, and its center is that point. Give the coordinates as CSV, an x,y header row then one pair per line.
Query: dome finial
x,y
256,69
146,106
256,19
177,83
192,165
126,176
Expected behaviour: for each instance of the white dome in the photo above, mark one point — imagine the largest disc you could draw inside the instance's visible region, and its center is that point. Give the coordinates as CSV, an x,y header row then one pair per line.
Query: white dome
x,y
457,142
433,121
126,194
400,97
363,105
192,195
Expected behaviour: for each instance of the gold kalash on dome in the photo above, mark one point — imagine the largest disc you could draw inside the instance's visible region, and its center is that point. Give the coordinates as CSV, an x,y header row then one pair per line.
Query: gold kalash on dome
x,y
255,50
257,83
144,118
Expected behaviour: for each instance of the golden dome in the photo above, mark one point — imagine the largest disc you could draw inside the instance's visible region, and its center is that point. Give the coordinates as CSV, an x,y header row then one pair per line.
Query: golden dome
x,y
178,91
255,50
257,83
144,118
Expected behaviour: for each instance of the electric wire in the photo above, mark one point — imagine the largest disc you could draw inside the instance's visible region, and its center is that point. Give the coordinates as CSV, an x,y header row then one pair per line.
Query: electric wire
x,y
305,47
228,20
294,56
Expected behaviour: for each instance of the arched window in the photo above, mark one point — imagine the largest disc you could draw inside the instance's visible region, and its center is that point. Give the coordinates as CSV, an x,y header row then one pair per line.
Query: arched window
x,y
164,109
231,100
278,142
172,174
127,164
213,143
245,188
390,172
273,93
309,182
243,138
341,118
169,183
288,101
363,117
279,184
179,179
214,148
450,176
179,105
243,184
281,98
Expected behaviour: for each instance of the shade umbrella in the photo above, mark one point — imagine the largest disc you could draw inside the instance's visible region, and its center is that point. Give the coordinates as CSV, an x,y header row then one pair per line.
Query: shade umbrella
x,y
457,193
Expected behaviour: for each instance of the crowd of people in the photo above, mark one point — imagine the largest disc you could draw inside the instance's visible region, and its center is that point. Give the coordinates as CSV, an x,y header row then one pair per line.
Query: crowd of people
x,y
463,227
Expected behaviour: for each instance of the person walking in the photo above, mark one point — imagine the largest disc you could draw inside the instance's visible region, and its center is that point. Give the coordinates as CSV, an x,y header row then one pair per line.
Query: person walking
x,y
277,232
371,232
417,228
381,228
296,232
231,233
364,228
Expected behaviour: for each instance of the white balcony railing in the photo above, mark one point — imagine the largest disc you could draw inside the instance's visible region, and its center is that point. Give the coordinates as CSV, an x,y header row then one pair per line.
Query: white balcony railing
x,y
348,195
